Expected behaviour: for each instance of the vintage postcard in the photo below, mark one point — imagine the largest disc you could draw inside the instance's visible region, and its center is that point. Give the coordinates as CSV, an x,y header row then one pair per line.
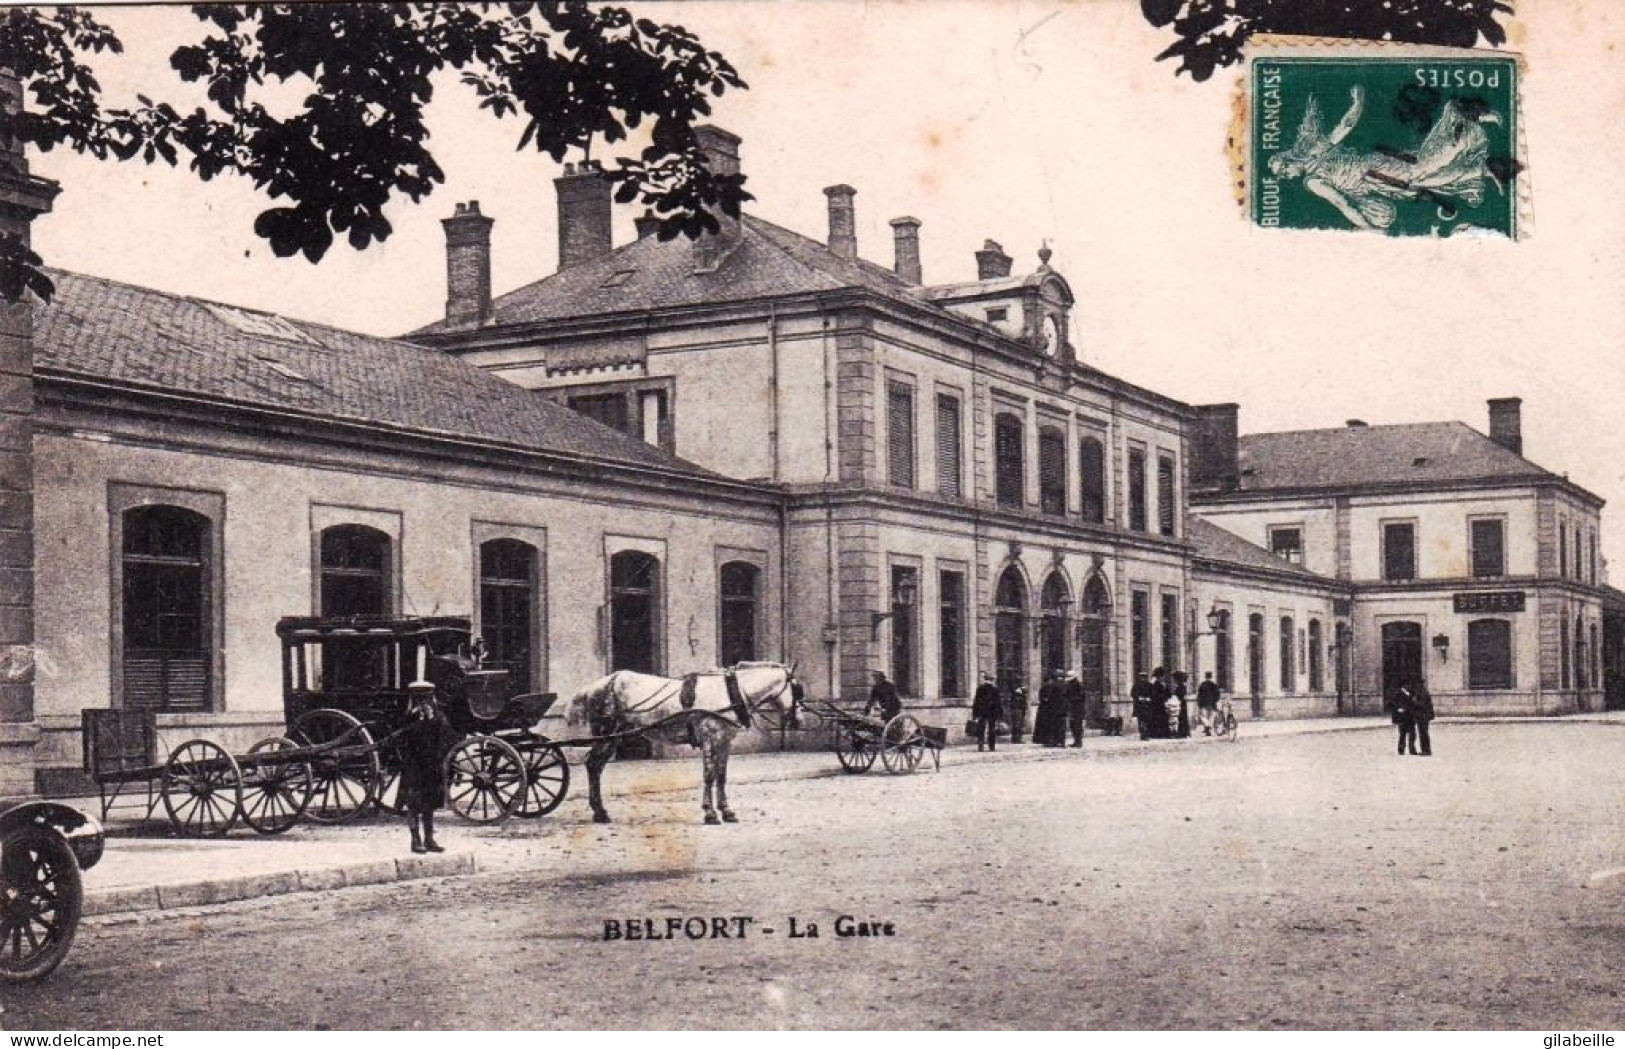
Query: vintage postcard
x,y
1090,516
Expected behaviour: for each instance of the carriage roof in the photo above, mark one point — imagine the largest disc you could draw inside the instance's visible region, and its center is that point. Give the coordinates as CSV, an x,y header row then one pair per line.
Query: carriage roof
x,y
298,629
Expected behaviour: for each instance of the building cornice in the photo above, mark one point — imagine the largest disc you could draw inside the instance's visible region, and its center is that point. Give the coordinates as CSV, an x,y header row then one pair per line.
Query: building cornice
x,y
1209,497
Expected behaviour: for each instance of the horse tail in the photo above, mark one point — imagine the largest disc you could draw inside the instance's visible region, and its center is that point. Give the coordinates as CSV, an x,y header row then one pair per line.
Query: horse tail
x,y
593,699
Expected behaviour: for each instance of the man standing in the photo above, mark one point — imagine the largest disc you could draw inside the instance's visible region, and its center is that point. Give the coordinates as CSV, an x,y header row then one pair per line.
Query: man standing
x,y
1077,706
1050,727
1207,702
986,709
1141,696
884,695
1403,714
1422,712
1018,713
1159,704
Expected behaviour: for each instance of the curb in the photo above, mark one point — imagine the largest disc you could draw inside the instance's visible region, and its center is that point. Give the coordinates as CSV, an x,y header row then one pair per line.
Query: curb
x,y
280,883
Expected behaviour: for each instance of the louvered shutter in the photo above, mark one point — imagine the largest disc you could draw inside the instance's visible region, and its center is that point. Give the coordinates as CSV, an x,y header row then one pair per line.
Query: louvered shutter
x,y
948,462
1092,477
900,429
1165,495
1052,472
1007,439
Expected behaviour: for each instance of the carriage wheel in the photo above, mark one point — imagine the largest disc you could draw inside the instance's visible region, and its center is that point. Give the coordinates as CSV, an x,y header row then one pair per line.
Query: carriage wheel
x,y
902,745
40,901
547,776
202,789
856,750
388,795
346,776
485,779
275,793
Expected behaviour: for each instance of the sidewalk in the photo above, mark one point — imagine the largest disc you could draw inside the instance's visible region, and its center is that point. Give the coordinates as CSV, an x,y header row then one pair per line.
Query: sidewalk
x,y
144,870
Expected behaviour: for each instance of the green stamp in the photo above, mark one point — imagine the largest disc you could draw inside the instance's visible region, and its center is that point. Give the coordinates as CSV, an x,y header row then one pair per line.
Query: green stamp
x,y
1411,146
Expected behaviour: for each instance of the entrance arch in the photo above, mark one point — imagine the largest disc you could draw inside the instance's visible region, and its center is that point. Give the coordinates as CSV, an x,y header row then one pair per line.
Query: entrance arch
x,y
1094,624
1054,601
1009,631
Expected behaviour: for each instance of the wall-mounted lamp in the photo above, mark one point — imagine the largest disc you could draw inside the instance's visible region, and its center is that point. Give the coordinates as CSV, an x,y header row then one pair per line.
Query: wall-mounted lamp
x,y
903,596
1441,645
1215,619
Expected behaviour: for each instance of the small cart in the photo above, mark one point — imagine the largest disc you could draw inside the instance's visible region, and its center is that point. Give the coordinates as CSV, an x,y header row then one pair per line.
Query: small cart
x,y
900,744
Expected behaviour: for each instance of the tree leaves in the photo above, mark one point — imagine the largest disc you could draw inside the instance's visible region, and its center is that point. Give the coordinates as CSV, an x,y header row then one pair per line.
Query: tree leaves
x,y
21,271
579,77
1212,33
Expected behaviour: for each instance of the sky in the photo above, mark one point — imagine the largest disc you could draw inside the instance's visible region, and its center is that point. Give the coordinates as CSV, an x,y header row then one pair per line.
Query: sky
x,y
1025,122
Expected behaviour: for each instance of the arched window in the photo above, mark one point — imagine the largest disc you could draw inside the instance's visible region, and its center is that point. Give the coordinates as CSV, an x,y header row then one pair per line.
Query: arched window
x,y
508,585
1489,653
1094,633
356,571
166,616
739,600
1224,653
1009,635
634,611
1289,667
1054,600
1051,471
1317,655
1092,475
1010,478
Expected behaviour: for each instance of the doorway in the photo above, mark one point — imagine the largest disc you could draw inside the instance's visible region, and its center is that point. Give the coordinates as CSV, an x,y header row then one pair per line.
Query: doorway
x,y
1401,656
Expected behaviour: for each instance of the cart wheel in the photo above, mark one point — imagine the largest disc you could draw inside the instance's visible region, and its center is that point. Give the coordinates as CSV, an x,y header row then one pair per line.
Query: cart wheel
x,y
40,902
485,779
388,795
346,776
856,751
547,776
276,792
902,745
202,789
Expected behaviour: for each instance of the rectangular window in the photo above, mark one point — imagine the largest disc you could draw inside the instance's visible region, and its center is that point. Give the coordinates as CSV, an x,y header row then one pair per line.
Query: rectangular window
x,y
1399,551
1051,471
1092,478
1287,544
951,673
900,433
1593,538
1317,650
905,589
1289,668
998,315
948,454
1579,554
1167,507
607,408
1136,489
1009,475
1489,548
1562,547
1170,632
1139,627
1489,654
1563,652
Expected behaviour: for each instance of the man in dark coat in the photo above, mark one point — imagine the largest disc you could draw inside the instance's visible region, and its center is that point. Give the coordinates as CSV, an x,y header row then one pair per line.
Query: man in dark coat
x,y
986,709
1017,713
424,741
1049,728
1207,702
1402,712
1141,695
1159,704
1077,706
1422,712
883,694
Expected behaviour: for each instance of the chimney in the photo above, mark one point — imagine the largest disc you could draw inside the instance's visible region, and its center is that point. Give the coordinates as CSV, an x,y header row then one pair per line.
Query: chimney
x,y
584,213
721,149
1214,447
468,265
906,243
843,232
648,224
991,262
1506,423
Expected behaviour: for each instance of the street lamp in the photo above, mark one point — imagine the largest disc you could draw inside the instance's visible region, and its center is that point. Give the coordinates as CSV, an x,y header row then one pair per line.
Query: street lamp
x,y
1441,644
903,596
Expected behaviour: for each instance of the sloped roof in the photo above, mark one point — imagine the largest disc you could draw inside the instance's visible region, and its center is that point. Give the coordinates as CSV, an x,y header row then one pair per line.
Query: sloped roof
x,y
1407,453
111,331
651,274
1212,543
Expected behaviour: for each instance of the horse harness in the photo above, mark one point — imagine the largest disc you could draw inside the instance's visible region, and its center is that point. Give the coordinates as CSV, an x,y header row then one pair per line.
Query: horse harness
x,y
737,705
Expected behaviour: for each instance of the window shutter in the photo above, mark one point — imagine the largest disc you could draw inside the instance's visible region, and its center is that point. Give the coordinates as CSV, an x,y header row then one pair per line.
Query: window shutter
x,y
1092,477
1007,453
1165,495
900,427
1136,489
1052,472
948,461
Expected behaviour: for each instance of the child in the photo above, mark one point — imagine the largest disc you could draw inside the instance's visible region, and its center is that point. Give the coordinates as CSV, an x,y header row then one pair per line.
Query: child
x,y
422,784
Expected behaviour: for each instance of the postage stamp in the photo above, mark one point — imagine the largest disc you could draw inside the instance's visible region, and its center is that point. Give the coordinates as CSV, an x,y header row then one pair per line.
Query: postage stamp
x,y
1405,144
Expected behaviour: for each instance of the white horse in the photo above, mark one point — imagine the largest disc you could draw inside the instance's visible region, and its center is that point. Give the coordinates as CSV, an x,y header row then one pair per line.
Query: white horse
x,y
708,716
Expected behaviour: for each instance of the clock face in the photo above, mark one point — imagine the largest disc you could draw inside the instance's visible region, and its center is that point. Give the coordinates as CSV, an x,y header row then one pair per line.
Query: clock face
x,y
1052,336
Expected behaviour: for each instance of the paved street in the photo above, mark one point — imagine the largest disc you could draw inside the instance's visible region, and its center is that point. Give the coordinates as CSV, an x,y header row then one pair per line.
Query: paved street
x,y
1312,881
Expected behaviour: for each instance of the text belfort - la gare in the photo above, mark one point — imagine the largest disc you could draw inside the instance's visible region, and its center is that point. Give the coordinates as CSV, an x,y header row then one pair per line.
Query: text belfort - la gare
x,y
742,927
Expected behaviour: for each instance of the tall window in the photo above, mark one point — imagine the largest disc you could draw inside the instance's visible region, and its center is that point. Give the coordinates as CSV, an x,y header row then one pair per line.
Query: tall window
x,y
1170,632
1489,548
1489,653
1136,489
1287,544
1093,627
739,597
1224,653
905,630
1399,551
1596,656
1167,507
1578,553
1054,601
1581,668
1592,538
1092,477
634,611
1562,547
1052,471
167,651
356,571
507,606
1289,668
1255,659
900,433
948,454
1563,652
1317,658
1009,633
1140,631
1009,473
951,628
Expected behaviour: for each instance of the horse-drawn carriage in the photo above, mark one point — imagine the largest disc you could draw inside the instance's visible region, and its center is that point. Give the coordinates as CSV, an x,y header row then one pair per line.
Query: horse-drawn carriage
x,y
900,743
344,702
43,847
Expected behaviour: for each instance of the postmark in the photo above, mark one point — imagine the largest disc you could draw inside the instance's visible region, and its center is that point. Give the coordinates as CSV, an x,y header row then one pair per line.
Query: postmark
x,y
1371,138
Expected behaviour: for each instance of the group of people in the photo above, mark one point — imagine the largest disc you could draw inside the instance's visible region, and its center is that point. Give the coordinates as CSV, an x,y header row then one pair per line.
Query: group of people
x,y
1063,707
1161,708
1411,709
